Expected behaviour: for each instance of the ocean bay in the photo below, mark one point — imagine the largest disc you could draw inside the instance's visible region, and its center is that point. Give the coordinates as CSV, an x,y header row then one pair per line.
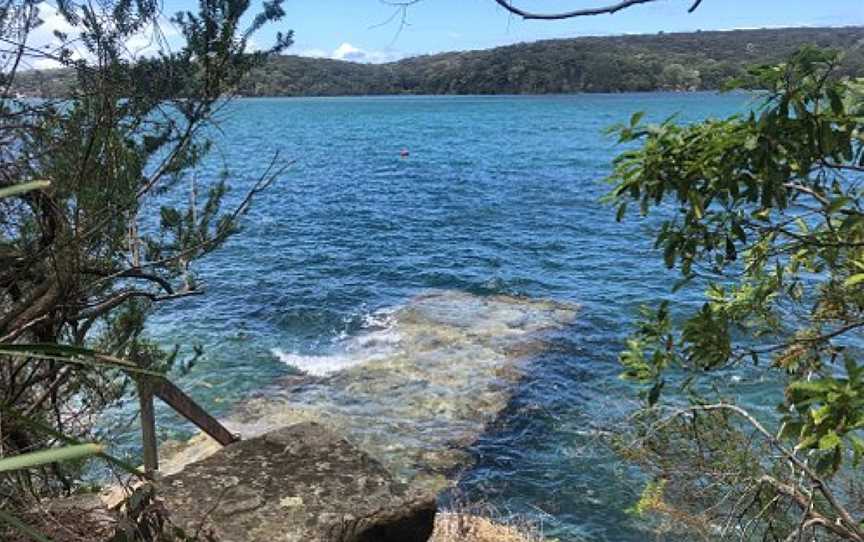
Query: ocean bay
x,y
500,196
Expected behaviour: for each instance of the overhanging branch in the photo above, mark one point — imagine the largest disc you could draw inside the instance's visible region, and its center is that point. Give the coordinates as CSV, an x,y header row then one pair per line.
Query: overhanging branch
x,y
603,10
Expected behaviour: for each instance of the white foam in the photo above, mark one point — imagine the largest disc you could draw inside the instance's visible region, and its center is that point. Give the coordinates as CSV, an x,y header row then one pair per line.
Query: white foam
x,y
375,344
379,339
380,319
316,365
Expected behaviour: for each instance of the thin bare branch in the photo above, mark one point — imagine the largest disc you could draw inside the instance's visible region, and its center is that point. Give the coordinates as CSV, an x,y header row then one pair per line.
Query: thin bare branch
x,y
588,12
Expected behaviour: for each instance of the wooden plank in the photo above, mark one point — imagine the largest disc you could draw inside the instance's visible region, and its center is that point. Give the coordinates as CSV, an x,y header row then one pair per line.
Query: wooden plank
x,y
148,427
189,409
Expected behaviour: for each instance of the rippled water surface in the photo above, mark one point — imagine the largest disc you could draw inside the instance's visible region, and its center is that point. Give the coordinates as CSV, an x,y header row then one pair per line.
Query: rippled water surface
x,y
498,200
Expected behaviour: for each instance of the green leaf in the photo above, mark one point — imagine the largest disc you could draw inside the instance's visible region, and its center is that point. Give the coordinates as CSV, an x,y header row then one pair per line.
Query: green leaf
x,y
854,279
852,369
837,204
791,428
58,455
807,442
810,386
681,283
829,441
836,101
857,447
763,214
819,415
670,254
698,206
654,393
22,188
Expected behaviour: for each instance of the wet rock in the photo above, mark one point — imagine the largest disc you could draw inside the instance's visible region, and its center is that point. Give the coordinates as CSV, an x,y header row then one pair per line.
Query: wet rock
x,y
297,484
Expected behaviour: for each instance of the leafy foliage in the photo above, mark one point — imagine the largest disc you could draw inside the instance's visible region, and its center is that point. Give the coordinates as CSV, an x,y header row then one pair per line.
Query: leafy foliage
x,y
765,209
78,277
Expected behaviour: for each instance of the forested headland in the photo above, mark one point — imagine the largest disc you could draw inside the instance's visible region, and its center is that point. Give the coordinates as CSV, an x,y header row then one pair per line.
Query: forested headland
x,y
680,61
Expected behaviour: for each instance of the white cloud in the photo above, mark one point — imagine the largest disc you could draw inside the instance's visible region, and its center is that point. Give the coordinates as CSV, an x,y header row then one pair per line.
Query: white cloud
x,y
252,46
346,51
351,53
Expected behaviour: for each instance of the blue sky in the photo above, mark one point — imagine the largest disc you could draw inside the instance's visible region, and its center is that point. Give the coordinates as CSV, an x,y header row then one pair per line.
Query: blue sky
x,y
356,30
347,28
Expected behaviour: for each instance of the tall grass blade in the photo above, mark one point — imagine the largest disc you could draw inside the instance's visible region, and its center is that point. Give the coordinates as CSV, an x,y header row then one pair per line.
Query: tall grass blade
x,y
34,459
71,354
16,189
38,426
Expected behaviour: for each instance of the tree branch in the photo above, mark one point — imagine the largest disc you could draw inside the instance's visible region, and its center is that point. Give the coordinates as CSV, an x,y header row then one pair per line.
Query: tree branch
x,y
851,528
134,273
607,10
111,303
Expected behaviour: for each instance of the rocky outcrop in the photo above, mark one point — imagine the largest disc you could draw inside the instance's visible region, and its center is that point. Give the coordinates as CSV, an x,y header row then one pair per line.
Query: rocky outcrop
x,y
297,484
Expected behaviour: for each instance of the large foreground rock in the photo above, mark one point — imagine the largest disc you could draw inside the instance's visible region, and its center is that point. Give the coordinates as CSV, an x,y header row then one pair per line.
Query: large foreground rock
x,y
297,484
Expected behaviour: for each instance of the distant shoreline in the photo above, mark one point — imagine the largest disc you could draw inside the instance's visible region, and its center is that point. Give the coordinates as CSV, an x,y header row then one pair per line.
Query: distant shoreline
x,y
526,95
674,62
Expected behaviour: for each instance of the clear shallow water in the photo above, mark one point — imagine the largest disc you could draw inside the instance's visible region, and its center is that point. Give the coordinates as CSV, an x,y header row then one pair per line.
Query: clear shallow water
x,y
500,196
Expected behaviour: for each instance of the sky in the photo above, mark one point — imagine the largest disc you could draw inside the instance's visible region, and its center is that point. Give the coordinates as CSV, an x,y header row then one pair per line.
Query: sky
x,y
355,29
372,30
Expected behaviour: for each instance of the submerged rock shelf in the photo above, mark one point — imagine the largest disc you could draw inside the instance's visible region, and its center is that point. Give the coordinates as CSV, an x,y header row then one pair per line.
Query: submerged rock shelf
x,y
416,391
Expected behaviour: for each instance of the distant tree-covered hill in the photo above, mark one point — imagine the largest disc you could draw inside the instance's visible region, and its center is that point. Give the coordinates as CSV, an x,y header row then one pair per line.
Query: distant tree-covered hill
x,y
681,61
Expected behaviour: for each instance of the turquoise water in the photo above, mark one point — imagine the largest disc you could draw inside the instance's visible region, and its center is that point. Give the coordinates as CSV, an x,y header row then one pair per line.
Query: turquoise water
x,y
499,196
